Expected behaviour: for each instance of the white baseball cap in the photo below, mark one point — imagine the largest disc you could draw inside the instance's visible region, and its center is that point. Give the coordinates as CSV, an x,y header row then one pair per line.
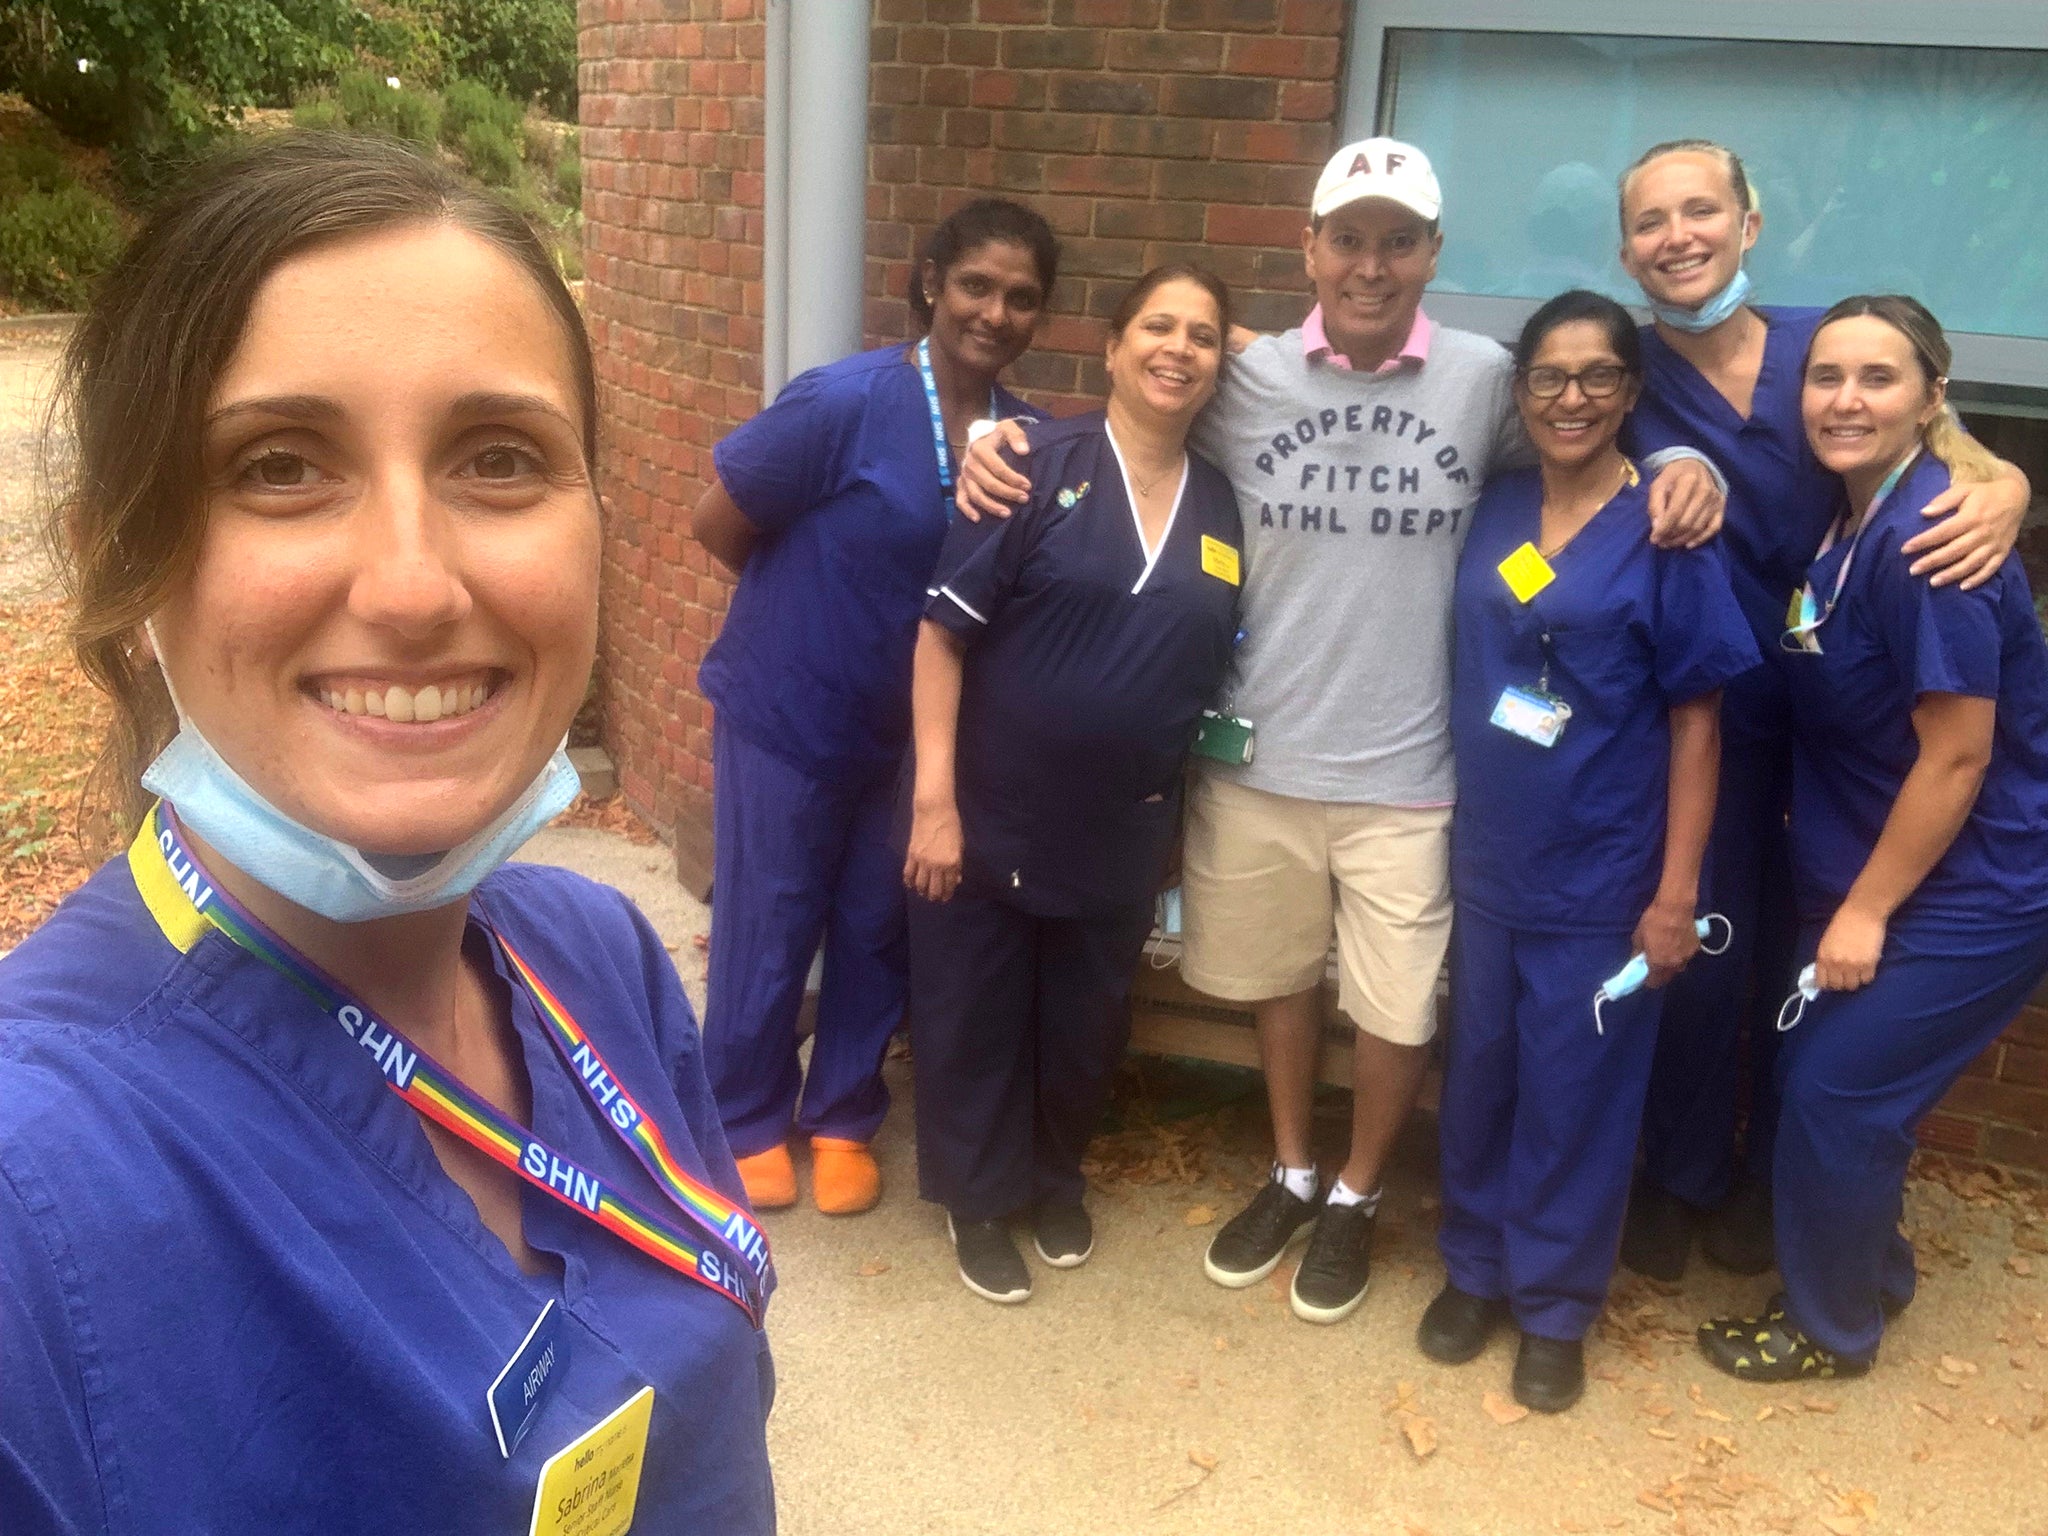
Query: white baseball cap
x,y
1378,168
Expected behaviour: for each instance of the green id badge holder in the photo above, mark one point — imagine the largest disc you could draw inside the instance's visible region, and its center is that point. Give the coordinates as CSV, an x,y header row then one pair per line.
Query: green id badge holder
x,y
1224,739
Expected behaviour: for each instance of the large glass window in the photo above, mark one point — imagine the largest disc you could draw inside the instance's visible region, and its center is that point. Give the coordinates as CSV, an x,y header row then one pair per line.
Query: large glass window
x,y
1917,170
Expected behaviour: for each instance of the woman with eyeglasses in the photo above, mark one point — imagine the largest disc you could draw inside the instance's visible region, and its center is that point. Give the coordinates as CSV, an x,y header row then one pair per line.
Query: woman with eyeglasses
x,y
1919,841
1586,677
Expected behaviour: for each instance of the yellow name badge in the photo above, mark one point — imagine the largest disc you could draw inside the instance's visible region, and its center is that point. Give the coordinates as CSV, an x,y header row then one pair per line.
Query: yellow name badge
x,y
1526,572
1220,560
590,1487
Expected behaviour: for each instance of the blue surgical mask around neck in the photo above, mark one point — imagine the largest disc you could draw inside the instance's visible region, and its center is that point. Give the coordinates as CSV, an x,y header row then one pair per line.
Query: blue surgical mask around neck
x,y
316,871
1711,313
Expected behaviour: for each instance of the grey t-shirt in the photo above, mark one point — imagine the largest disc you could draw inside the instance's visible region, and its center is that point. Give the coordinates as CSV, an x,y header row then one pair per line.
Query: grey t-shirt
x,y
1355,490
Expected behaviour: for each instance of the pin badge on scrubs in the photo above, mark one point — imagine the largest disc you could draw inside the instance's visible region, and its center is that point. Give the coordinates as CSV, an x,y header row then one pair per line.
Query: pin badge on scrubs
x,y
1807,990
1631,977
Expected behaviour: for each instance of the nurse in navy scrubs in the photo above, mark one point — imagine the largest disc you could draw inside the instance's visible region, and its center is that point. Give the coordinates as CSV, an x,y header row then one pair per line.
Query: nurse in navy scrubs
x,y
830,506
1585,691
1721,374
1919,841
351,1180
1064,663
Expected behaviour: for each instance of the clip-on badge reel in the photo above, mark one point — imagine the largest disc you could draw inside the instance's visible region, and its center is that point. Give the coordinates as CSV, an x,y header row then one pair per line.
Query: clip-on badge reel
x,y
1630,977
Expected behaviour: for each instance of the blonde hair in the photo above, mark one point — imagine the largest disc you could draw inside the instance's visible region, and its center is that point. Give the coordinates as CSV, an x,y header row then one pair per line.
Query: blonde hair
x,y
1945,436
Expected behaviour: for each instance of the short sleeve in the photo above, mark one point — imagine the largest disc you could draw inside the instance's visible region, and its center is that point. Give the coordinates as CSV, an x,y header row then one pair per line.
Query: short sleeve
x,y
978,567
49,1479
1943,639
1703,639
797,453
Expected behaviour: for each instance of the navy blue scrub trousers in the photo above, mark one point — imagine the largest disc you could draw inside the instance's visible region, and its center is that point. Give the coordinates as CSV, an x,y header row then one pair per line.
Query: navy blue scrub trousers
x,y
797,857
1017,1023
1717,1043
1857,1074
1538,1119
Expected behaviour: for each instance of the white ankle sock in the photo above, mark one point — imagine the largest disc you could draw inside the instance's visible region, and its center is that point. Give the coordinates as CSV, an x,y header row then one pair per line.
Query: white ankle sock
x,y
1300,1182
1343,1194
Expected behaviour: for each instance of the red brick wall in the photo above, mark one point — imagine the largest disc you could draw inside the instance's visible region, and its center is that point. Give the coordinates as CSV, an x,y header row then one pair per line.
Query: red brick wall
x,y
672,156
1145,131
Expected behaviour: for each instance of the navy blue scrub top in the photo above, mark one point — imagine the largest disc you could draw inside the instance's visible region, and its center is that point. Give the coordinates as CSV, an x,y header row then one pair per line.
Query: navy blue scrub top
x,y
1780,500
841,476
240,1292
1087,671
1570,838
1891,638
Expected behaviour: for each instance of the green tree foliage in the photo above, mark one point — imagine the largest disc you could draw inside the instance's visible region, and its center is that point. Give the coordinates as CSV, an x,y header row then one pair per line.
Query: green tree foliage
x,y
148,76
53,244
524,48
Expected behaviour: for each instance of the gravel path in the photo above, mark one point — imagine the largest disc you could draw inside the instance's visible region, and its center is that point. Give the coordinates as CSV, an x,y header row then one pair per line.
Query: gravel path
x,y
28,360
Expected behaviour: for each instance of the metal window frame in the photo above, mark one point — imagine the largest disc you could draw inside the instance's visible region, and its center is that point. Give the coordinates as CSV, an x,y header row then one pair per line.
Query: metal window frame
x,y
2006,374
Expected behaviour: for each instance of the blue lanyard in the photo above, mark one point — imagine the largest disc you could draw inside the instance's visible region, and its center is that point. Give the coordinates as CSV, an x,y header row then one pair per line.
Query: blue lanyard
x,y
931,398
1808,613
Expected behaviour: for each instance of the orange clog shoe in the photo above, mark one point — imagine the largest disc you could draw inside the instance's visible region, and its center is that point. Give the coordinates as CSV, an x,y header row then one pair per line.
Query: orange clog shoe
x,y
770,1178
844,1178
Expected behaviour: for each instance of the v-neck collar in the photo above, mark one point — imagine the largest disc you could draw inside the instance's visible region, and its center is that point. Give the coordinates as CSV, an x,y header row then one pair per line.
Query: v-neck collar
x,y
1688,375
1137,519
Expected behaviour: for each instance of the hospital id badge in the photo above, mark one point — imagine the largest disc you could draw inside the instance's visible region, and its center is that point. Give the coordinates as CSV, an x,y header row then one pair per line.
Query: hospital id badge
x,y
592,1485
1224,739
1531,714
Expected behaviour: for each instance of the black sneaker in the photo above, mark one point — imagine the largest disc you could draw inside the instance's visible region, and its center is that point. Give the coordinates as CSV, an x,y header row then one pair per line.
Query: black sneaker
x,y
990,1265
1738,1235
1456,1326
1332,1278
1550,1374
1656,1235
1769,1348
1247,1247
1063,1234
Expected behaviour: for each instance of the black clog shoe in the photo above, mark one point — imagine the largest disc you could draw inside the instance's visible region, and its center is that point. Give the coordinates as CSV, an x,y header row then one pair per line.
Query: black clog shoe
x,y
1768,1348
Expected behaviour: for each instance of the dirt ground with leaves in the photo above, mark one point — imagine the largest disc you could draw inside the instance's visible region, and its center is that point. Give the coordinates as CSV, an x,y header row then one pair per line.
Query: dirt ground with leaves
x,y
1133,1395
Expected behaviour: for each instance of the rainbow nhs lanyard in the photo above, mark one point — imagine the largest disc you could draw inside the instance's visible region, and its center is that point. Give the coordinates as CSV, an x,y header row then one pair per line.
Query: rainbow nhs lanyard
x,y
728,1252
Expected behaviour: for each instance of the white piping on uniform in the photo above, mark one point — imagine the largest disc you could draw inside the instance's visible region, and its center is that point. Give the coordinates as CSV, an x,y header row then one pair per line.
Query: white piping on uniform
x,y
1131,498
958,602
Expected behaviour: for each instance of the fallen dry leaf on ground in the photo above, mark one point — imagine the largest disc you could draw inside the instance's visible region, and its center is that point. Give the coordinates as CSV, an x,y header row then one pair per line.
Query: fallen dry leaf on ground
x,y
1206,1460
1421,1433
872,1267
2019,1264
1503,1410
1199,1215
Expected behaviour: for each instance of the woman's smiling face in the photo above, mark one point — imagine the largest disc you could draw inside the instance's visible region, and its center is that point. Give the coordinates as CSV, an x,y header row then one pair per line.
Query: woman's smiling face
x,y
393,613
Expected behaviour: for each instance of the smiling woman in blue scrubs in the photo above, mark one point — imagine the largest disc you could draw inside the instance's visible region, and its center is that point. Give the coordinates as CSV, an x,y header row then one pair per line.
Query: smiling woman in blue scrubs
x,y
1722,375
1064,663
349,1181
1919,841
830,506
1585,689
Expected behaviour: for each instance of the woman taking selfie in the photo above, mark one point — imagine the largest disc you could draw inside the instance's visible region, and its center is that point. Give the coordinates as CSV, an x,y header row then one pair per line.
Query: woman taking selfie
x,y
1065,660
1584,701
349,1179
1919,841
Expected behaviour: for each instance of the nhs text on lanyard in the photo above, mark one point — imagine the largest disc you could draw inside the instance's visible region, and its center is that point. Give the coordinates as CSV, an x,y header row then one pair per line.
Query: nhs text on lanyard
x,y
716,1243
931,399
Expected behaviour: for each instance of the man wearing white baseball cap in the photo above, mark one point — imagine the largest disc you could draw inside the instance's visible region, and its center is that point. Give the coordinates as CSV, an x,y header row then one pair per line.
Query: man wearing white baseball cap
x,y
1357,445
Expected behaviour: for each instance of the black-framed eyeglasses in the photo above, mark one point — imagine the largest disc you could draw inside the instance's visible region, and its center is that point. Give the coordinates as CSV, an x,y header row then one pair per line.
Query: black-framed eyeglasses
x,y
1596,383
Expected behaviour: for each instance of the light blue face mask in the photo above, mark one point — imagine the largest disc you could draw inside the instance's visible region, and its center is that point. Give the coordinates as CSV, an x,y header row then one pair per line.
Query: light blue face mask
x,y
1711,313
1632,977
314,870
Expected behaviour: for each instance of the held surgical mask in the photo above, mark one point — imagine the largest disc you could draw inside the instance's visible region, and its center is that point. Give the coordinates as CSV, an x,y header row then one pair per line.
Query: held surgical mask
x,y
1631,977
1807,990
316,871
1711,313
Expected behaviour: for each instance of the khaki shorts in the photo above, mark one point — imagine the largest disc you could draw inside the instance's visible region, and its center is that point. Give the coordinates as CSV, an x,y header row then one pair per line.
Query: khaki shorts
x,y
1266,878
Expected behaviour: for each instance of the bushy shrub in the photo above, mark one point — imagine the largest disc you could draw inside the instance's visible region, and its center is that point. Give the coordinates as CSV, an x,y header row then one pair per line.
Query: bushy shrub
x,y
30,165
54,244
366,101
490,154
466,103
543,144
416,116
321,111
524,48
569,179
